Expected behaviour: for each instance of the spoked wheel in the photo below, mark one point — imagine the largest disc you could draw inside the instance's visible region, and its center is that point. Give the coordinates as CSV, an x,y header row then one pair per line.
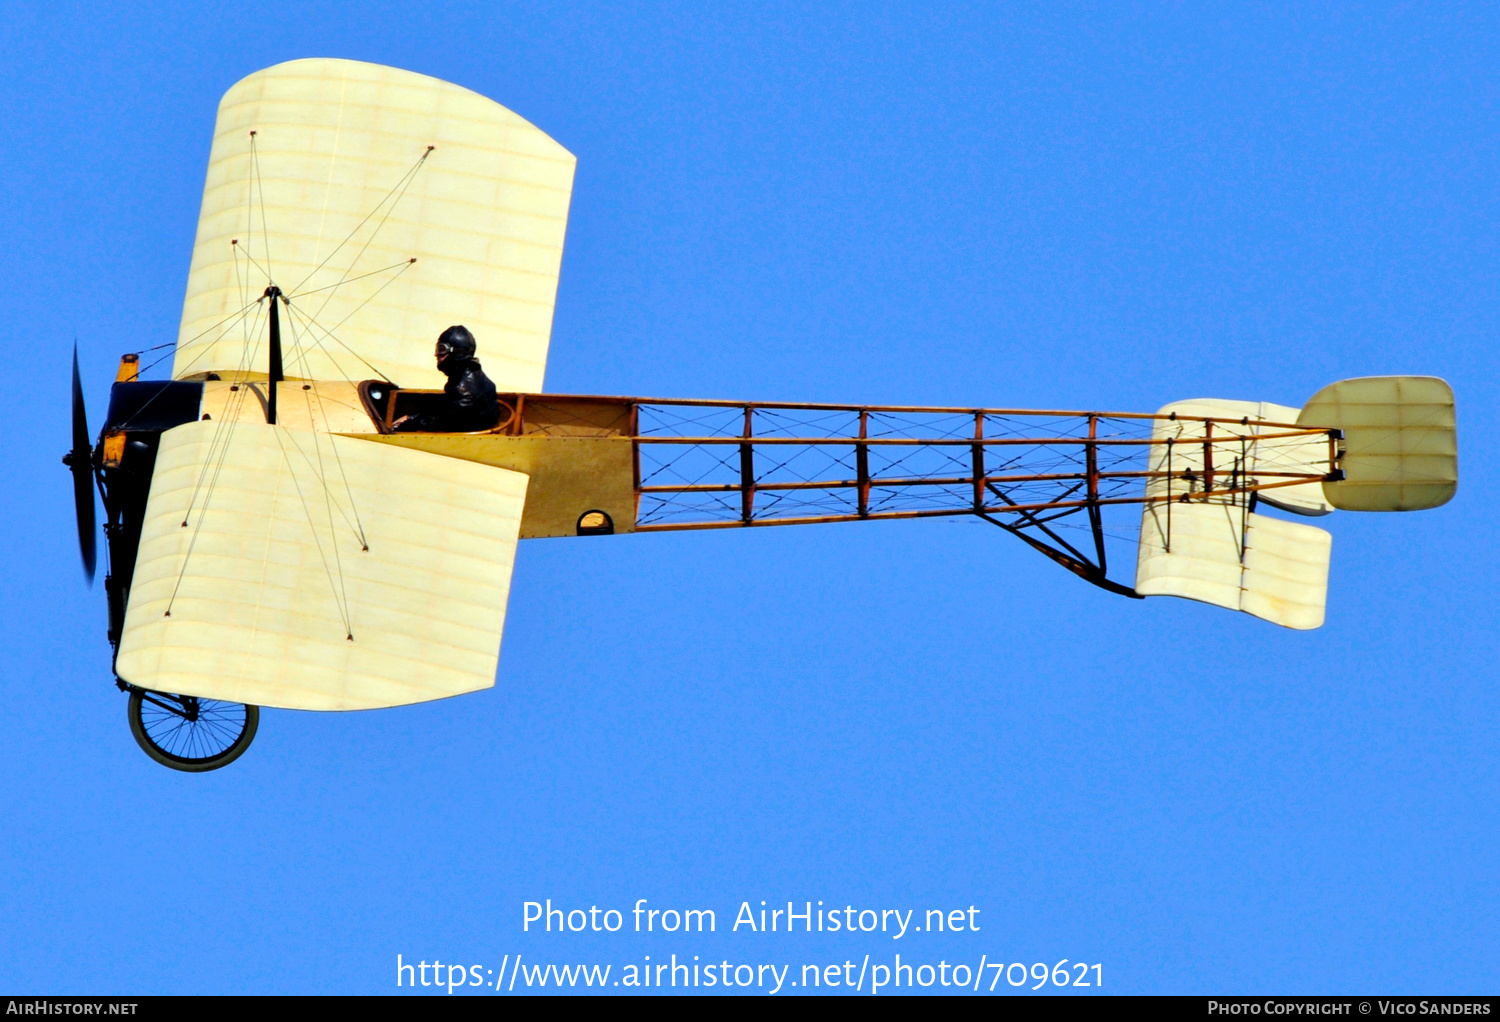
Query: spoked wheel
x,y
190,733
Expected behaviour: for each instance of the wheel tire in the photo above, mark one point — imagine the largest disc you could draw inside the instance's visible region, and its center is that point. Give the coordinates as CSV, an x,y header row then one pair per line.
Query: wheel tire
x,y
220,735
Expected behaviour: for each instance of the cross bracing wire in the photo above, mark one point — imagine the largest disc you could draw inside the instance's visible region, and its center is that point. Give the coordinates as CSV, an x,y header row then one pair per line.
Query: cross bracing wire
x,y
914,462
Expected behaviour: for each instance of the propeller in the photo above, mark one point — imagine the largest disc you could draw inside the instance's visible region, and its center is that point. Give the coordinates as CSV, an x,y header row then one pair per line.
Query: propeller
x,y
80,460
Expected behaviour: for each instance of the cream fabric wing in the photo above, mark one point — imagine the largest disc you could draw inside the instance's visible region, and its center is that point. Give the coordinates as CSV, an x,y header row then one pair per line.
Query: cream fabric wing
x,y
332,198
269,596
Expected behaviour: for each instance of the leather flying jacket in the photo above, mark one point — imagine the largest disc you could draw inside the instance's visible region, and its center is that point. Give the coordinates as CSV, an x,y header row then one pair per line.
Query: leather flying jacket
x,y
469,402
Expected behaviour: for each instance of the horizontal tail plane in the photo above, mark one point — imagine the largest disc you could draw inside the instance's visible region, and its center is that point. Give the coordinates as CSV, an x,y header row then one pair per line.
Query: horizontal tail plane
x,y
1396,450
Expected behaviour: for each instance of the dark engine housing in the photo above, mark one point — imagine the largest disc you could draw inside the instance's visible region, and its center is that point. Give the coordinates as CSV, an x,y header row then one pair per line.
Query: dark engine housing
x,y
140,410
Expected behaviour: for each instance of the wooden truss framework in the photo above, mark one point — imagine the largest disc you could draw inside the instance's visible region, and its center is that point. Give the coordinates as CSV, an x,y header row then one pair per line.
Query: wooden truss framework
x,y
701,464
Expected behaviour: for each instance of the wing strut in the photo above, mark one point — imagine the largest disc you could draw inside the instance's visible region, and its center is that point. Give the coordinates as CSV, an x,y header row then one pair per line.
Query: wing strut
x,y
1074,561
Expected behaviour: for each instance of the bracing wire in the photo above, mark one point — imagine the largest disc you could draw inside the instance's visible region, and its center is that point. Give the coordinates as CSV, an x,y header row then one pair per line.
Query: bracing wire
x,y
256,188
231,320
350,280
311,325
317,539
229,417
404,267
312,322
406,183
241,285
411,171
356,525
209,347
245,294
225,428
249,258
249,203
329,333
260,188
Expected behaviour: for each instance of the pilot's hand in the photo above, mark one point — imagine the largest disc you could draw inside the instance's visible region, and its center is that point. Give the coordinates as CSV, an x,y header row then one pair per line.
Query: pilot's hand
x,y
398,422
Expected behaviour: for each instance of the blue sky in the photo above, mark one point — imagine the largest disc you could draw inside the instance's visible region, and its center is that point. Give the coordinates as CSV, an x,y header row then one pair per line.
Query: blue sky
x,y
1098,206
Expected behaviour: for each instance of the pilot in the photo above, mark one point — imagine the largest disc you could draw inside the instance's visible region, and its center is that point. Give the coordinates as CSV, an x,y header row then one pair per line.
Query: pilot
x,y
469,402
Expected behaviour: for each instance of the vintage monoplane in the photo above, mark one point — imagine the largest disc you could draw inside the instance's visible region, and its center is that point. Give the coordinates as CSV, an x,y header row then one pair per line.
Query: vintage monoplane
x,y
273,541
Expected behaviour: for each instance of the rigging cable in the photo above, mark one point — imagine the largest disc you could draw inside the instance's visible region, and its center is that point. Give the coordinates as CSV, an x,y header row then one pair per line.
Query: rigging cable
x,y
344,278
313,323
259,183
357,526
225,427
343,610
401,184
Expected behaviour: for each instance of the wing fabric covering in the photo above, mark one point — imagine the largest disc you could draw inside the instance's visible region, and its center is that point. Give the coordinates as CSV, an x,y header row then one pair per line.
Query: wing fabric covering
x,y
269,579
1215,549
334,198
1226,556
1400,441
